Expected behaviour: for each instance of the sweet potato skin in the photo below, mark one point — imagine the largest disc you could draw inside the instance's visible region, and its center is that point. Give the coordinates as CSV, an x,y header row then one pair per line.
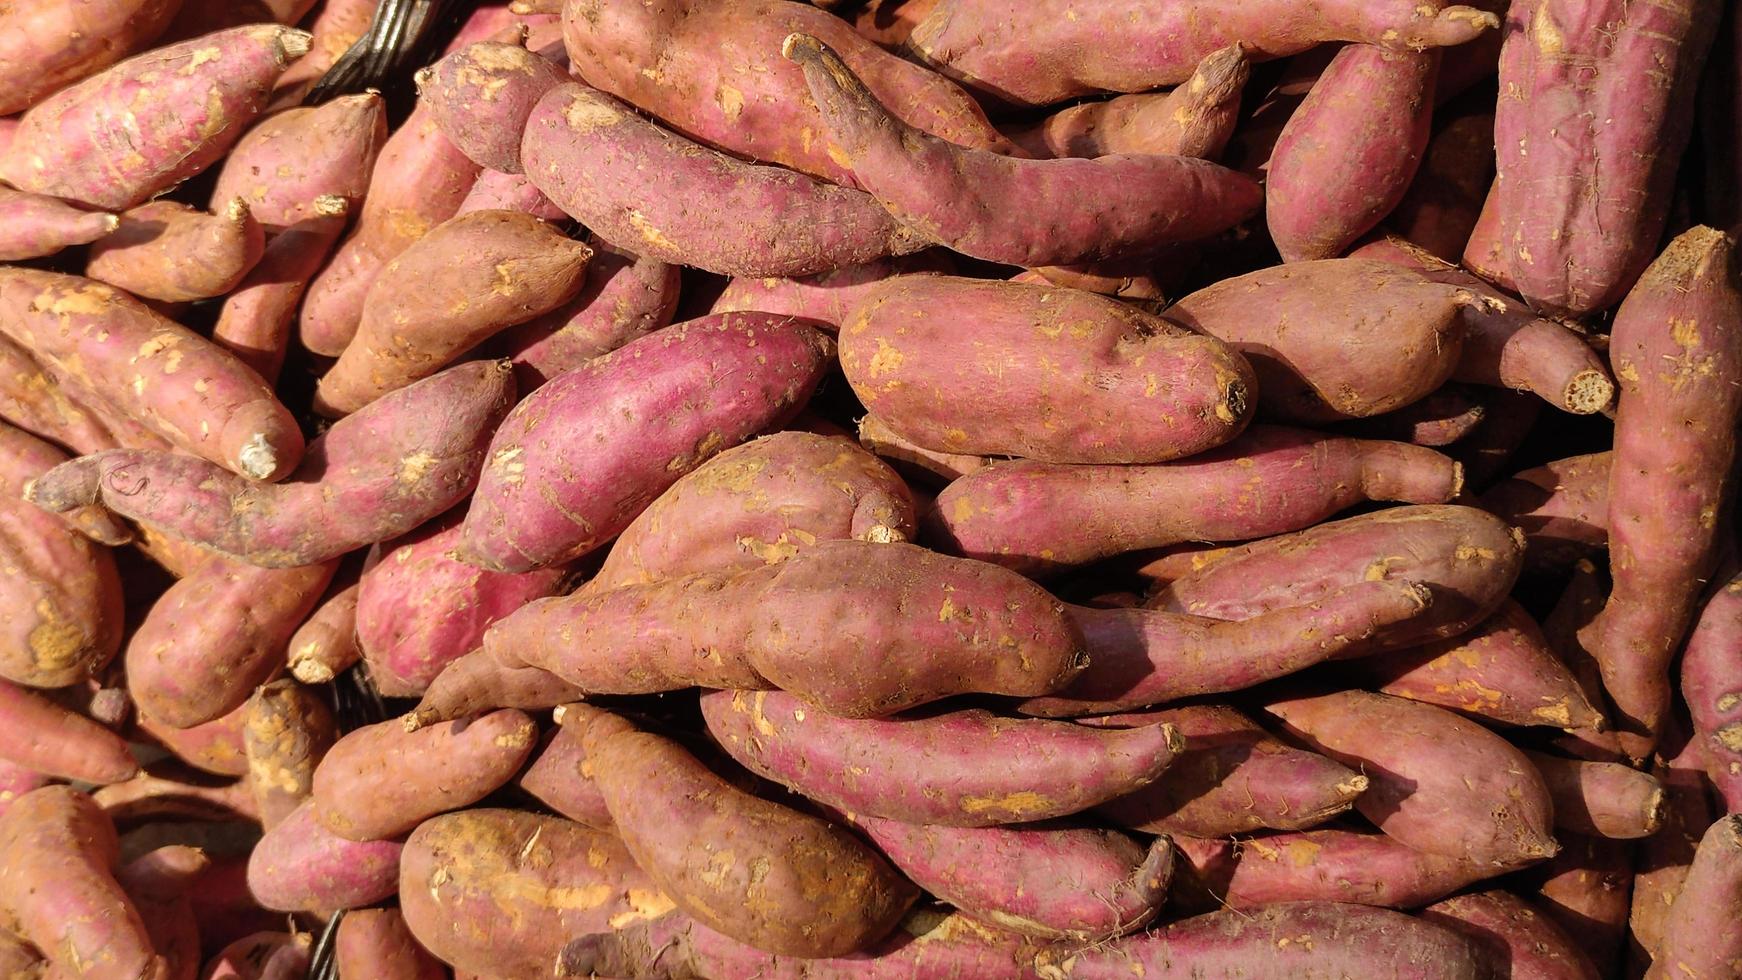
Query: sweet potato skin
x,y
50,44
1325,865
1711,682
1662,861
1439,210
1584,890
376,943
1514,935
300,866
291,159
176,254
262,956
560,776
1562,507
1603,798
326,643
827,298
288,729
36,225
498,191
45,737
1701,936
481,96
216,747
256,319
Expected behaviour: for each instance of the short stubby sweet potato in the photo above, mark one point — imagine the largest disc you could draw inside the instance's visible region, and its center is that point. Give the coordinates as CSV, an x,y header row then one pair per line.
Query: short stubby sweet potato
x,y
176,254
300,866
933,768
1270,480
828,298
983,629
288,728
1711,682
558,485
291,159
1438,783
498,892
1562,507
756,504
256,319
36,225
1078,378
48,44
1015,211
1608,799
376,943
371,477
481,96
1336,338
1702,937
118,138
1513,935
43,736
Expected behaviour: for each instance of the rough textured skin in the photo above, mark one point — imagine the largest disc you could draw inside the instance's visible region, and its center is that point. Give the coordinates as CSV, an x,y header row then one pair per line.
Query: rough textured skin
x,y
1439,783
58,890
827,298
1049,882
559,483
1702,936
1042,518
175,253
1711,682
721,80
42,736
217,635
1603,798
1677,349
1300,940
761,503
301,866
1516,938
35,225
256,319
47,401
561,778
380,781
1465,556
139,128
498,892
1562,507
1327,865
1662,861
478,682
428,308
933,768
48,44
1589,141
369,478
326,645
1336,338
1077,378
498,191
764,874
375,943
822,624
215,747
590,154
481,96
1440,209
1584,890
169,379
284,165
288,729
1020,212
167,790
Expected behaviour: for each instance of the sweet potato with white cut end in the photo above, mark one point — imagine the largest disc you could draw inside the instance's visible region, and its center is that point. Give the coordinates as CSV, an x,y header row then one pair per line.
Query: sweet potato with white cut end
x,y
558,485
326,645
46,45
1711,681
1562,507
1702,936
1020,212
288,729
478,682
174,253
174,382
914,462
371,477
289,161
1515,937
481,96
376,943
42,736
1603,798
931,768
1439,783
256,319
827,298
116,139
1325,865
35,225
1270,480
300,866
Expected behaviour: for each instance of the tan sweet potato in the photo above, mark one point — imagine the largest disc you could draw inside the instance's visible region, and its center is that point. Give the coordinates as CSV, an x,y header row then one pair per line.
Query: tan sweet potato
x,y
48,44
376,943
45,737
325,645
1514,936
1603,798
174,253
498,191
560,776
1326,865
1562,507
337,26
169,790
1662,861
300,866
289,161
478,682
288,729
256,319
214,747
36,225
914,462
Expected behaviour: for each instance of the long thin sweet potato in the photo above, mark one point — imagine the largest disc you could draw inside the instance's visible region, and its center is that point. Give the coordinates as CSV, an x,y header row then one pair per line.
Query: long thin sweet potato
x,y
827,298
35,225
256,319
1325,865
478,682
1662,861
44,737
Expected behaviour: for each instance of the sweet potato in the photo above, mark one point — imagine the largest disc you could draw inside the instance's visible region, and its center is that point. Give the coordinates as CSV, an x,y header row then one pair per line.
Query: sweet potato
x,y
118,138
214,747
917,464
499,892
1050,882
376,943
286,164
18,959
217,635
560,776
256,319
557,485
1439,783
262,956
1443,418
337,25
288,729
158,882
325,645
985,630
46,45
1349,152
426,310
1662,861
1711,682
174,253
1603,798
58,889
759,872
1562,507
1676,345
498,191
47,401
171,790
481,96
1337,338
16,780
1020,212
931,768
1584,890
1702,936
589,153
1513,936
35,225
478,682
42,736
1270,480
760,503
1439,210
1487,453
828,298
173,381
1325,865
300,866
371,477
1589,141
1079,378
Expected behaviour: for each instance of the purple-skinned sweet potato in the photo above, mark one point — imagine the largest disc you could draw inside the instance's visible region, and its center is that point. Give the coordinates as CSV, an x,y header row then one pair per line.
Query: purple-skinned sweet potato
x,y
482,95
498,191
46,45
827,298
175,253
1347,155
1702,935
1439,783
371,477
36,225
1078,378
1604,798
256,319
1711,683
931,768
300,866
376,943
42,736
1515,938
325,645
286,164
1562,507
1662,861
288,728
1020,212
556,485
120,137
924,466
1270,480
1324,865
1444,418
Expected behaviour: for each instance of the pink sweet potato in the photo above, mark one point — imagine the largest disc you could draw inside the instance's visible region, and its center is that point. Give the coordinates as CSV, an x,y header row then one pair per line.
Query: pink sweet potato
x,y
1603,798
325,645
262,956
1562,507
1439,783
35,225
286,164
337,26
256,319
40,735
1585,891
117,139
215,747
48,44
498,191
557,484
481,96
932,768
288,729
1702,935
174,253
1270,480
158,882
827,298
1440,209
1020,212
371,477
1326,865
478,682
1078,378
560,776
300,866
1677,348
376,943
47,401
924,466
1662,861
1514,937
1711,682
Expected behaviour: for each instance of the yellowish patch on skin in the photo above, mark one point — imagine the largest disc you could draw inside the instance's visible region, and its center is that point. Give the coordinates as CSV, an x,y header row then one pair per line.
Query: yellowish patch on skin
x,y
887,360
203,56
55,644
648,231
1730,737
1018,803
643,905
508,465
585,115
731,101
1557,714
1546,33
84,300
416,466
840,157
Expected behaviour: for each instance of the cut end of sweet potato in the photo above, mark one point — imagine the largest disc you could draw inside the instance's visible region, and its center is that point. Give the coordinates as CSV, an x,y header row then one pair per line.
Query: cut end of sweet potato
x,y
293,43
257,459
309,669
1588,392
331,206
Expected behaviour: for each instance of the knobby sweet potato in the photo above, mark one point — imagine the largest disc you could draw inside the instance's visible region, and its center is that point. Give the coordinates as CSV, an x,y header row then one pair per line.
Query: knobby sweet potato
x,y
288,729
1702,936
36,225
286,164
1514,937
481,96
1604,798
326,645
256,319
1562,507
376,943
300,866
45,737
174,253
1711,682
1325,865
48,44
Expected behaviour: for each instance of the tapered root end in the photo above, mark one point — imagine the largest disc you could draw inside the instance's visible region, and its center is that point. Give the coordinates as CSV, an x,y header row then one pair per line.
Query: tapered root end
x,y
801,48
422,77
236,212
257,460
419,718
1223,73
1451,27
69,486
1590,391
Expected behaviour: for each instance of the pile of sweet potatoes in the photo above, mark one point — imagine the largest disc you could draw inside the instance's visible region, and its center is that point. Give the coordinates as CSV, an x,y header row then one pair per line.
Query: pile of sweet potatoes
x,y
872,488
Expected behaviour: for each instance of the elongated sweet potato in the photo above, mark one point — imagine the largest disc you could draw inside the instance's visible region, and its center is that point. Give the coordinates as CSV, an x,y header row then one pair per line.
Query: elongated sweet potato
x,y
377,943
1514,936
623,298
256,319
44,737
288,729
1270,480
1021,212
1662,861
481,96
1439,783
325,645
557,485
1676,343
915,463
1562,507
1337,338
1711,682
1603,798
286,164
35,225
827,298
48,44
1325,865
300,866
371,477
119,138
931,768
478,682
1440,209
169,790
1702,935
174,253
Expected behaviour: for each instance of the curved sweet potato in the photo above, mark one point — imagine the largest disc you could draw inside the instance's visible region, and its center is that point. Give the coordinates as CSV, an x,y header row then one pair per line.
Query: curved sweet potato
x,y
48,44
481,96
1327,865
288,729
36,225
560,776
827,298
299,866
1562,507
176,254
284,165
42,736
1514,936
